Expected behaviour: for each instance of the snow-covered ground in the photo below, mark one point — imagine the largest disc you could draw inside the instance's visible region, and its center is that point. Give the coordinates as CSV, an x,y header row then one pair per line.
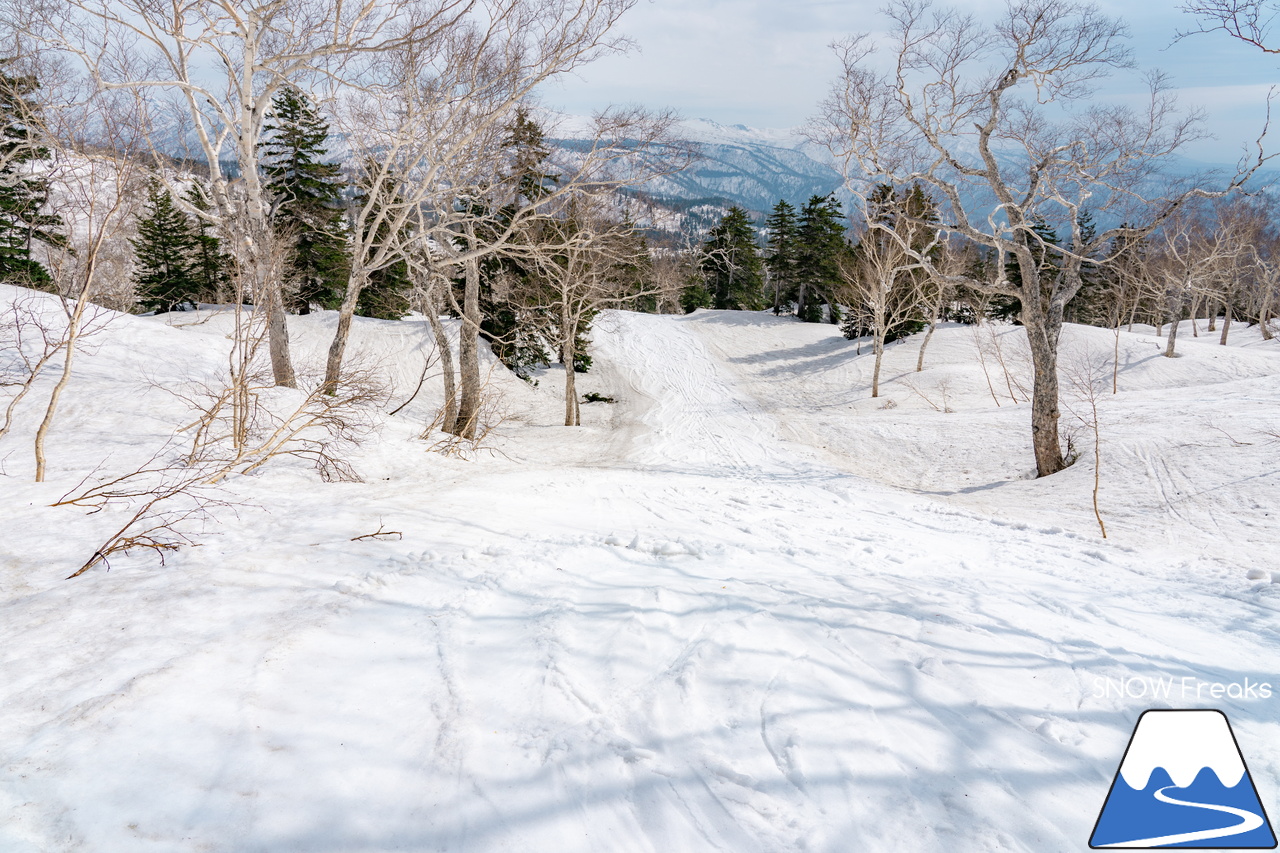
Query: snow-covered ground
x,y
745,607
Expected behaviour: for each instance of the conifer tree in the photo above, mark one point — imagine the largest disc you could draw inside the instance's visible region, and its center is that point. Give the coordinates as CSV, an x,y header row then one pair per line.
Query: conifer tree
x,y
820,246
510,328
1010,307
23,194
163,253
529,154
780,262
1091,304
732,264
210,266
306,195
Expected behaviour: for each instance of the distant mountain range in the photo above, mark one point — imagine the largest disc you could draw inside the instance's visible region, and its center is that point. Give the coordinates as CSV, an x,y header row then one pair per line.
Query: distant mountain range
x,y
755,167
748,167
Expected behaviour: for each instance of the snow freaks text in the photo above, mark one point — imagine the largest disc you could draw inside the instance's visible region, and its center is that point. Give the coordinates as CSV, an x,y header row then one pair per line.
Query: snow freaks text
x,y
1185,687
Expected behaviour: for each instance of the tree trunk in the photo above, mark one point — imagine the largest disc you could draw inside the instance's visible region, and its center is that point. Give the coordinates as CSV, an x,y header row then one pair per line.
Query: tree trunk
x,y
1042,336
933,324
572,415
1226,323
875,373
1115,365
73,332
450,416
1173,338
333,364
277,332
1174,307
469,355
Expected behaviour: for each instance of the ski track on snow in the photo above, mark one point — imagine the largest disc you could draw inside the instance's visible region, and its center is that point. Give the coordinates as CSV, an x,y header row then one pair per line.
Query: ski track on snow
x,y
704,638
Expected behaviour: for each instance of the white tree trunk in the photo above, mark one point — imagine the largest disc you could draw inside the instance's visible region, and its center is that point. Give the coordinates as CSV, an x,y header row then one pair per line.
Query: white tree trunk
x,y
469,355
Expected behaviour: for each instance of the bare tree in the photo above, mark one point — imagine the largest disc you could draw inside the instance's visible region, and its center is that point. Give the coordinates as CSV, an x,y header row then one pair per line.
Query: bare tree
x,y
585,261
1086,377
438,167
218,64
30,337
622,148
1265,264
884,278
96,138
997,121
672,269
1193,256
1250,21
1247,278
937,292
1127,281
427,134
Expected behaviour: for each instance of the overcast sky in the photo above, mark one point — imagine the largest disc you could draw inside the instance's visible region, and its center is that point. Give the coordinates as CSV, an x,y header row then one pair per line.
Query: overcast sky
x,y
767,63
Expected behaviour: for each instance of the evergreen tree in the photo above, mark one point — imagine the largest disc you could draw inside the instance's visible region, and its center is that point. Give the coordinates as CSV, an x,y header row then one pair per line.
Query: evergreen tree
x,y
307,195
23,195
529,154
1091,304
513,329
820,246
163,253
1010,307
782,257
909,213
510,328
732,264
695,295
210,266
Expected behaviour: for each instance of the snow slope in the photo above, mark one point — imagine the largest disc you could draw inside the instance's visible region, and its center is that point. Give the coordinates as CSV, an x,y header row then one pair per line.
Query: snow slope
x,y
686,626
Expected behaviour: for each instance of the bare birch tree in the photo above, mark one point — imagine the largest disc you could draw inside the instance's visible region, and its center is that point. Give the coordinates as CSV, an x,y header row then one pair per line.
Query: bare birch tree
x,y
1193,258
998,123
884,277
97,140
582,260
1249,21
473,206
434,138
218,64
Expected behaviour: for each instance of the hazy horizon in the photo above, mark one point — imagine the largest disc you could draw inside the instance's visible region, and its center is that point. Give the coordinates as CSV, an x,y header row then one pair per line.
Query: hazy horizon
x,y
768,65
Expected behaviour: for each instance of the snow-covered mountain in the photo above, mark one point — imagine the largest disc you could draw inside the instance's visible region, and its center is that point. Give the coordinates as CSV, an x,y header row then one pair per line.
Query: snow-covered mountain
x,y
749,167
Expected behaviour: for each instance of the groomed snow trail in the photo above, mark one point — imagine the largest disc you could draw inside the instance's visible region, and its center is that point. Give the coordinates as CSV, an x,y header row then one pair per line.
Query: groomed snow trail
x,y
703,639
692,418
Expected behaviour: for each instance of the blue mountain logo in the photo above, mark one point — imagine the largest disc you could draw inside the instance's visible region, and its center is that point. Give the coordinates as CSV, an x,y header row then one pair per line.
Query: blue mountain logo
x,y
1183,783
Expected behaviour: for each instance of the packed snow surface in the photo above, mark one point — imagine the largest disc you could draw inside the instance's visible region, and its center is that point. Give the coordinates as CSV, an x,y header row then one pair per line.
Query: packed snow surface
x,y
746,607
